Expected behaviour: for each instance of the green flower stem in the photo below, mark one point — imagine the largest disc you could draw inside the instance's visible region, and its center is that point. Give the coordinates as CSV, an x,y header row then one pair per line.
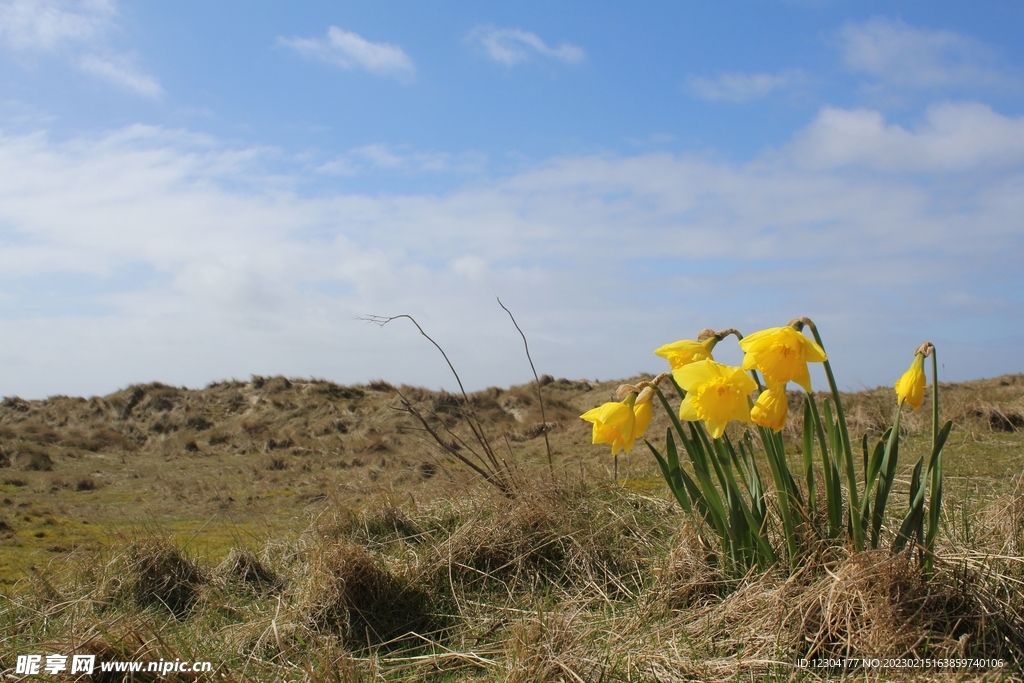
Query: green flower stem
x,y
851,476
935,466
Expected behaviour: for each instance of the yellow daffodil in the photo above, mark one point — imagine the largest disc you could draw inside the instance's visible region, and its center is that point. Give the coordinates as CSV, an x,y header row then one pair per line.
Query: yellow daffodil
x,y
686,351
771,408
781,354
619,424
715,393
910,387
642,414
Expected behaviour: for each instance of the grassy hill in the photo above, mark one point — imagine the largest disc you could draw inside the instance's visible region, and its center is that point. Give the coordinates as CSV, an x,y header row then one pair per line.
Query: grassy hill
x,y
298,529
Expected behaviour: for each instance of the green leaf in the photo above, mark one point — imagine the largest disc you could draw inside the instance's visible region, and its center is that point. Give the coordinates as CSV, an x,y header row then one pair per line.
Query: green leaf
x,y
871,476
887,472
935,504
808,452
833,490
911,523
670,477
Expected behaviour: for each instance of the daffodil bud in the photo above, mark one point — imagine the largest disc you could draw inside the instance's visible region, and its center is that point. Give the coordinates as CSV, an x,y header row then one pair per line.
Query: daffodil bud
x,y
771,408
686,351
910,387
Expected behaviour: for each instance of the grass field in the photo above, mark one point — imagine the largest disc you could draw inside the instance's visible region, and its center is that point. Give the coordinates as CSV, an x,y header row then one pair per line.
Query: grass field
x,y
288,529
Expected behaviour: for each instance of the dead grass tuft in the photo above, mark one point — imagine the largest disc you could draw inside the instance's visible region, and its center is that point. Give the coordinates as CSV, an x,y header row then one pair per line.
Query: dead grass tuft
x,y
349,591
86,484
244,567
869,605
859,610
156,573
31,459
573,537
691,576
1003,522
551,648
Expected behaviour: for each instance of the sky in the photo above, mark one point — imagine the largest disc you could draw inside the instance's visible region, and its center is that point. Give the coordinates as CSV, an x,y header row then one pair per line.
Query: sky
x,y
193,191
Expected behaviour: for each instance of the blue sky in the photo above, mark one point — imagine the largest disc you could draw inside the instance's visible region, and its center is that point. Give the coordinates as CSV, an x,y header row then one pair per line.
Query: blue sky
x,y
197,191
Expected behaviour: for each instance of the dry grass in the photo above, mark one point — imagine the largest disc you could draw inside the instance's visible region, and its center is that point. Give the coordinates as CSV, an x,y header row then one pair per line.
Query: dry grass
x,y
475,588
347,550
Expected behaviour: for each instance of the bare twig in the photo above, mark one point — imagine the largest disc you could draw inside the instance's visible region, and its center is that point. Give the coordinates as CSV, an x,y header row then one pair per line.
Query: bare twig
x,y
540,398
493,470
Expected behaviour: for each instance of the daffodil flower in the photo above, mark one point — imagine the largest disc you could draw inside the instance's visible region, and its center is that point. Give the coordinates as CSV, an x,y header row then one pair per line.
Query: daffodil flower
x,y
781,354
771,408
715,393
910,387
686,351
619,424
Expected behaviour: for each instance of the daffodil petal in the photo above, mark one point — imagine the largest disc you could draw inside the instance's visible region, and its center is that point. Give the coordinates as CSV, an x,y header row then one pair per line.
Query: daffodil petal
x,y
753,339
813,352
687,411
742,380
803,378
716,429
643,413
693,375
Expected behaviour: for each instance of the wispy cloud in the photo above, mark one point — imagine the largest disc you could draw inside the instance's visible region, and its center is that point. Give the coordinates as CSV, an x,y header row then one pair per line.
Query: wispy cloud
x,y
121,71
741,87
511,46
898,54
51,24
76,29
390,158
185,268
349,50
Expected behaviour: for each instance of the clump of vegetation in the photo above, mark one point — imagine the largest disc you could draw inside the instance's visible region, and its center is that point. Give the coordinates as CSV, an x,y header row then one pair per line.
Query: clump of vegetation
x,y
244,568
154,572
762,515
351,592
580,575
585,581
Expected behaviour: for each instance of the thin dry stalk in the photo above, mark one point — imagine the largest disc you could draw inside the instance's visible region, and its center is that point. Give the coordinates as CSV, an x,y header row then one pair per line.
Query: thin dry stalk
x,y
540,397
493,469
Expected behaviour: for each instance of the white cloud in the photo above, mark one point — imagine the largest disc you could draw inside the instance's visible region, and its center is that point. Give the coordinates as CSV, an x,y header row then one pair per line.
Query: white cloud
x,y
349,51
740,87
952,137
76,29
121,71
170,257
49,24
511,46
898,54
